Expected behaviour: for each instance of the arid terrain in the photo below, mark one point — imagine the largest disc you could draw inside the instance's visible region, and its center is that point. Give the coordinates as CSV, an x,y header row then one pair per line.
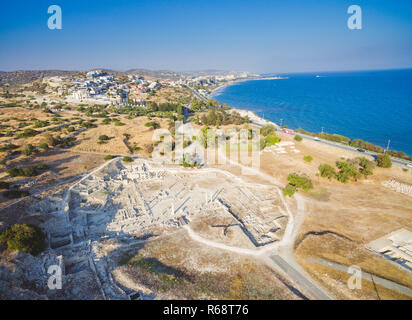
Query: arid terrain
x,y
123,223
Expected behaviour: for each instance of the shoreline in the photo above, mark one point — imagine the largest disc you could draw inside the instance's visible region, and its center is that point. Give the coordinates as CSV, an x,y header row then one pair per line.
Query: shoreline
x,y
230,83
255,119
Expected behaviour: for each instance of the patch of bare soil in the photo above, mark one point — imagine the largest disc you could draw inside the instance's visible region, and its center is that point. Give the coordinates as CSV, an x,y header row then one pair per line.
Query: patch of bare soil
x,y
178,268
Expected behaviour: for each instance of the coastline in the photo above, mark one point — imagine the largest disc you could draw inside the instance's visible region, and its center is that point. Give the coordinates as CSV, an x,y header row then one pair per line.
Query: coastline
x,y
230,83
255,119
243,112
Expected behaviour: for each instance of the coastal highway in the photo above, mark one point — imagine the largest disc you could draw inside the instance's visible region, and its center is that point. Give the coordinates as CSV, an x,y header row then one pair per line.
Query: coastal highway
x,y
398,161
197,94
353,149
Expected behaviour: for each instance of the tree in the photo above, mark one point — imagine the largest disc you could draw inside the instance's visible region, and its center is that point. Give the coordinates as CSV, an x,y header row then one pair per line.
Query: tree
x,y
366,166
289,190
327,171
347,170
24,172
267,129
127,159
23,237
384,161
298,138
300,181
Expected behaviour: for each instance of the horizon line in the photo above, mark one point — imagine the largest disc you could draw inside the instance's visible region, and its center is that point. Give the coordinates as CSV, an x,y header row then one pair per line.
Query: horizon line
x,y
210,70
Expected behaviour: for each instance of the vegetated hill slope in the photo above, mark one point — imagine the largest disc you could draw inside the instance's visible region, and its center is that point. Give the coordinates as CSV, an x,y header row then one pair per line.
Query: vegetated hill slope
x,y
26,76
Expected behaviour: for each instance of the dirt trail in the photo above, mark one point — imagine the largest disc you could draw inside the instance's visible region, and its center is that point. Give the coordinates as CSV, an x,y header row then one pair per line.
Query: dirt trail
x,y
278,255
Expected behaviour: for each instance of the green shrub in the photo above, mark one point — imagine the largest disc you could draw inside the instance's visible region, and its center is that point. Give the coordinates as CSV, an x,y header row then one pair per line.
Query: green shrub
x,y
40,124
24,172
28,133
384,161
300,181
327,171
88,124
118,123
308,158
127,159
8,147
108,157
186,143
153,124
366,166
43,146
262,144
187,161
103,137
271,139
67,142
289,190
23,237
28,150
14,194
4,185
347,170
298,138
42,166
267,129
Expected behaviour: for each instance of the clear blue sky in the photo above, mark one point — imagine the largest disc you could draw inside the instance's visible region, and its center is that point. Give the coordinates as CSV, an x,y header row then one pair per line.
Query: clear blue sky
x,y
257,36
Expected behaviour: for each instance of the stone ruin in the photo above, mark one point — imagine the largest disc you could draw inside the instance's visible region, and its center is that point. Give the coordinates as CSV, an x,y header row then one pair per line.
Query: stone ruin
x,y
111,212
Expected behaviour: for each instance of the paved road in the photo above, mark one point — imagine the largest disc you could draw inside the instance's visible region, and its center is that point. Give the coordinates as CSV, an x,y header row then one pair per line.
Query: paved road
x,y
353,149
197,94
367,276
345,147
299,278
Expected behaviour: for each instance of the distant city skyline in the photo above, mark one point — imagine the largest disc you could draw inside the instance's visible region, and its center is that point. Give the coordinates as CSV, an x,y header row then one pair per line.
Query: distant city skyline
x,y
254,36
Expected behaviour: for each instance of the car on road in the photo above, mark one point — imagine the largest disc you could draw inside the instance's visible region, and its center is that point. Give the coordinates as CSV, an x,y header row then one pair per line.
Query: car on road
x,y
360,150
316,139
409,165
288,131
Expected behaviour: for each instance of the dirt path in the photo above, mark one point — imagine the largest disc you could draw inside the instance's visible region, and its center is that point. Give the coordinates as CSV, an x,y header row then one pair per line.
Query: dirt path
x,y
280,255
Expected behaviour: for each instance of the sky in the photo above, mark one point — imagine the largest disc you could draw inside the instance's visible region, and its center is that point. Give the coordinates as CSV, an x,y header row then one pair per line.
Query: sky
x,y
255,36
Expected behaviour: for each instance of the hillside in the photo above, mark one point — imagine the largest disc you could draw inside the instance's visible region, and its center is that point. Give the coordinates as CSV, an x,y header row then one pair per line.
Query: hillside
x,y
26,76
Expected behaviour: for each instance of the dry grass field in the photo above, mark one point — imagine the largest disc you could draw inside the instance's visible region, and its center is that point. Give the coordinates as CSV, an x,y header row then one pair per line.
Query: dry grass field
x,y
340,219
180,268
348,216
140,135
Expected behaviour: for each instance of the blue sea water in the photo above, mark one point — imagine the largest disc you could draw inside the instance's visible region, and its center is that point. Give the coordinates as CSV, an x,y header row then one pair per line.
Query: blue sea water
x,y
373,106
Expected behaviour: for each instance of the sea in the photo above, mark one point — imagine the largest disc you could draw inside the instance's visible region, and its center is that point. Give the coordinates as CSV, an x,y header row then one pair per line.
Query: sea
x,y
375,106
